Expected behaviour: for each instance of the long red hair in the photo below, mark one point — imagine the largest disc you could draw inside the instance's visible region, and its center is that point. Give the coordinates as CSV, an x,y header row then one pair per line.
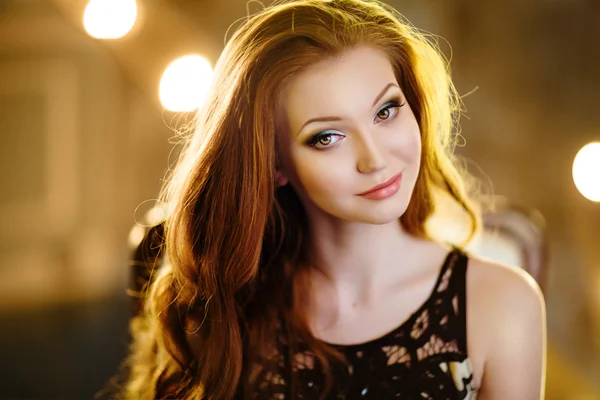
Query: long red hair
x,y
234,276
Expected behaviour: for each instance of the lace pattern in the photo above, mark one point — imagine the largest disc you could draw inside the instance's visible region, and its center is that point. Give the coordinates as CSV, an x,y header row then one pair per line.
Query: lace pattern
x,y
424,358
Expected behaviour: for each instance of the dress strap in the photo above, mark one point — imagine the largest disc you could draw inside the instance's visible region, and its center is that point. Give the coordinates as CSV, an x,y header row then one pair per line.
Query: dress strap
x,y
447,271
450,289
457,287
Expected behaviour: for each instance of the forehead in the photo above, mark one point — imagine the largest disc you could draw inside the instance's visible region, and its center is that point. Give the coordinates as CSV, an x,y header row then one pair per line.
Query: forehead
x,y
338,85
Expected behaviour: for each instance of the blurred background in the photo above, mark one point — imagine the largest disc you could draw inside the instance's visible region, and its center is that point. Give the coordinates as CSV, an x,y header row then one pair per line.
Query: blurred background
x,y
90,92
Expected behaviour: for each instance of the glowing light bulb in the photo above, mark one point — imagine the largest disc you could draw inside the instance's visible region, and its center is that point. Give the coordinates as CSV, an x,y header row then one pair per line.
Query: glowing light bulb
x,y
586,171
185,83
109,19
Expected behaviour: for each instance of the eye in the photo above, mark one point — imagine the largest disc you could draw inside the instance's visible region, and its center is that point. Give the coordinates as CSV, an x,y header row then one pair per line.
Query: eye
x,y
389,111
324,139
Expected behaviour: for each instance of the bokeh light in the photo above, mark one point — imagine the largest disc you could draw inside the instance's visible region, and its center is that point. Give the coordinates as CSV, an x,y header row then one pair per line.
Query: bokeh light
x,y
185,83
586,171
109,19
136,235
155,215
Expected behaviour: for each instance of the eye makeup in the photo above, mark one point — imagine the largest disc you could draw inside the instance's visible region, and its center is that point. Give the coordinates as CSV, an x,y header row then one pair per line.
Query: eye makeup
x,y
324,138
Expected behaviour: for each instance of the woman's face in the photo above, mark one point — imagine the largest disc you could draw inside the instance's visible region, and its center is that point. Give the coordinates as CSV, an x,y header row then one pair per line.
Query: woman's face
x,y
348,128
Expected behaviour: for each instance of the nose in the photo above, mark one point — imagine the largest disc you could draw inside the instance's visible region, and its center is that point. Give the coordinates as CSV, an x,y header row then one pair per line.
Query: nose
x,y
370,157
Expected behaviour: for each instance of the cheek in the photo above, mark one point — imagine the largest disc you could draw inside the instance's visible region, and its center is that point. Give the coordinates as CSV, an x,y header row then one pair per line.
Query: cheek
x,y
322,176
407,146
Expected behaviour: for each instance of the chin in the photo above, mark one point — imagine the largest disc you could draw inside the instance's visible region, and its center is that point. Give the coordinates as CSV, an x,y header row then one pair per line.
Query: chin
x,y
382,219
374,212
378,214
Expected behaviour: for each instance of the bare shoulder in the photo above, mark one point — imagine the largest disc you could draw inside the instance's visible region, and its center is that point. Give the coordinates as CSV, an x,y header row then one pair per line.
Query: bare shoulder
x,y
506,325
503,287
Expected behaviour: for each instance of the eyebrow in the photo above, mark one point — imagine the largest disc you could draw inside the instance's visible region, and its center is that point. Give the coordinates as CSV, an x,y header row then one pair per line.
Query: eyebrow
x,y
329,119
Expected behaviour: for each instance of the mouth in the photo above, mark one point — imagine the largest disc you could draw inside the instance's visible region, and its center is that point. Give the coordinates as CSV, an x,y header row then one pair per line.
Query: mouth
x,y
383,185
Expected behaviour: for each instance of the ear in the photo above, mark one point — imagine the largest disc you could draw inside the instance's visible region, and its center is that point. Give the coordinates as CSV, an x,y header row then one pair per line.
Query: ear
x,y
280,179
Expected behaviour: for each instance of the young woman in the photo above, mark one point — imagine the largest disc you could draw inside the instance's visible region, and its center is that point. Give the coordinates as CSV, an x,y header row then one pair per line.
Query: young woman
x,y
299,263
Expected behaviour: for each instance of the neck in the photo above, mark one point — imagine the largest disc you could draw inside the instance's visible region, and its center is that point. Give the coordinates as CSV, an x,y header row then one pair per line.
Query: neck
x,y
358,266
359,253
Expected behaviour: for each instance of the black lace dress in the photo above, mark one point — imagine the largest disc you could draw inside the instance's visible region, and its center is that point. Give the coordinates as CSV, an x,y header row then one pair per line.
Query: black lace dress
x,y
424,358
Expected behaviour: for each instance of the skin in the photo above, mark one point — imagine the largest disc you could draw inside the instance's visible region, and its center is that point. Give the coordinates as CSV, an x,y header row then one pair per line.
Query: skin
x,y
361,288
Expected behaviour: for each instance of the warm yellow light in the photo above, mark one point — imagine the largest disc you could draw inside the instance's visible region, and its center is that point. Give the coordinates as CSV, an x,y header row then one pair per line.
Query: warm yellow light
x,y
155,215
136,235
109,19
185,83
586,171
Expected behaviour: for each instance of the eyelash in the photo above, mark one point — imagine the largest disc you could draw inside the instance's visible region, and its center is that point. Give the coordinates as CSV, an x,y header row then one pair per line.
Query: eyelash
x,y
392,104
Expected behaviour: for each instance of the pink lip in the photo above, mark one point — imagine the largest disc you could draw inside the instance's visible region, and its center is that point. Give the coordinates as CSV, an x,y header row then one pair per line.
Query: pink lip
x,y
384,189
